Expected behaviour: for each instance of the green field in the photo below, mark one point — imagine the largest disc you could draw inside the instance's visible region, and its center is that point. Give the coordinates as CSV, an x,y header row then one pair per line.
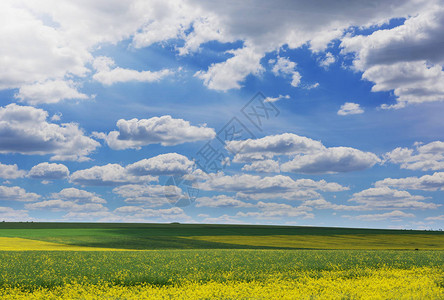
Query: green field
x,y
183,261
196,236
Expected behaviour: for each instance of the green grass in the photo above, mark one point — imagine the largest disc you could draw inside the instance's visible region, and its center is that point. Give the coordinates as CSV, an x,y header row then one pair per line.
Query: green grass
x,y
174,236
163,267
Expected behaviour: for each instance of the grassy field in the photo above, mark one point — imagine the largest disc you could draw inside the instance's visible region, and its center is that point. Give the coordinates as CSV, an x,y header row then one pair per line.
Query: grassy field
x,y
192,236
86,261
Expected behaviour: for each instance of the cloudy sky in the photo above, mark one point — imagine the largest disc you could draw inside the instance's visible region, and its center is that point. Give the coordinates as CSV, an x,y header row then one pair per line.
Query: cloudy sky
x,y
284,112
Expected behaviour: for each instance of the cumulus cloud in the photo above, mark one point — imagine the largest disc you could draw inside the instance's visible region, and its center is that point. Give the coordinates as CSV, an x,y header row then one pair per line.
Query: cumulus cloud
x,y
149,195
432,182
143,171
132,214
395,215
316,25
173,214
271,99
386,198
163,130
224,219
77,196
71,200
221,201
323,204
425,157
350,108
263,166
60,205
50,91
108,76
256,187
406,59
308,156
11,171
327,60
15,193
435,218
331,160
64,34
163,164
9,214
25,130
52,53
285,67
110,174
47,171
230,73
269,210
272,145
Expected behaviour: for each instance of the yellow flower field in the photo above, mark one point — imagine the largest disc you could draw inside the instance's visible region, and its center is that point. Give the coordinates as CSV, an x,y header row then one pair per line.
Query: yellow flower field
x,y
386,283
222,274
19,244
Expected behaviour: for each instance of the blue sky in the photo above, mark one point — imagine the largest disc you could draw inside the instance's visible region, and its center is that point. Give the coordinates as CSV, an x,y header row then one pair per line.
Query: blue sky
x,y
106,109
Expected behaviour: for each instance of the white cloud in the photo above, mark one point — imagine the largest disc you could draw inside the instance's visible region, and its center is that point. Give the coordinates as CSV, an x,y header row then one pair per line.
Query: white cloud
x,y
77,196
60,205
315,24
9,214
108,76
47,171
163,130
271,99
263,166
327,60
64,34
52,55
426,183
331,160
110,174
224,219
143,171
50,91
149,195
71,199
163,164
230,73
15,193
24,129
165,20
284,67
277,211
395,215
349,108
256,187
173,214
221,201
323,204
406,59
386,198
436,218
309,156
425,157
56,117
11,171
272,145
311,86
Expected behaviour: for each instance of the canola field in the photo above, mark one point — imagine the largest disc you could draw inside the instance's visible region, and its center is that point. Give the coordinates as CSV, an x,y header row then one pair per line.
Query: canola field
x,y
216,262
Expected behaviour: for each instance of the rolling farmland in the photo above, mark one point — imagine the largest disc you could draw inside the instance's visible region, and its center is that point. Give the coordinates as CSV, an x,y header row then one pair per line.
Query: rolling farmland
x,y
133,261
